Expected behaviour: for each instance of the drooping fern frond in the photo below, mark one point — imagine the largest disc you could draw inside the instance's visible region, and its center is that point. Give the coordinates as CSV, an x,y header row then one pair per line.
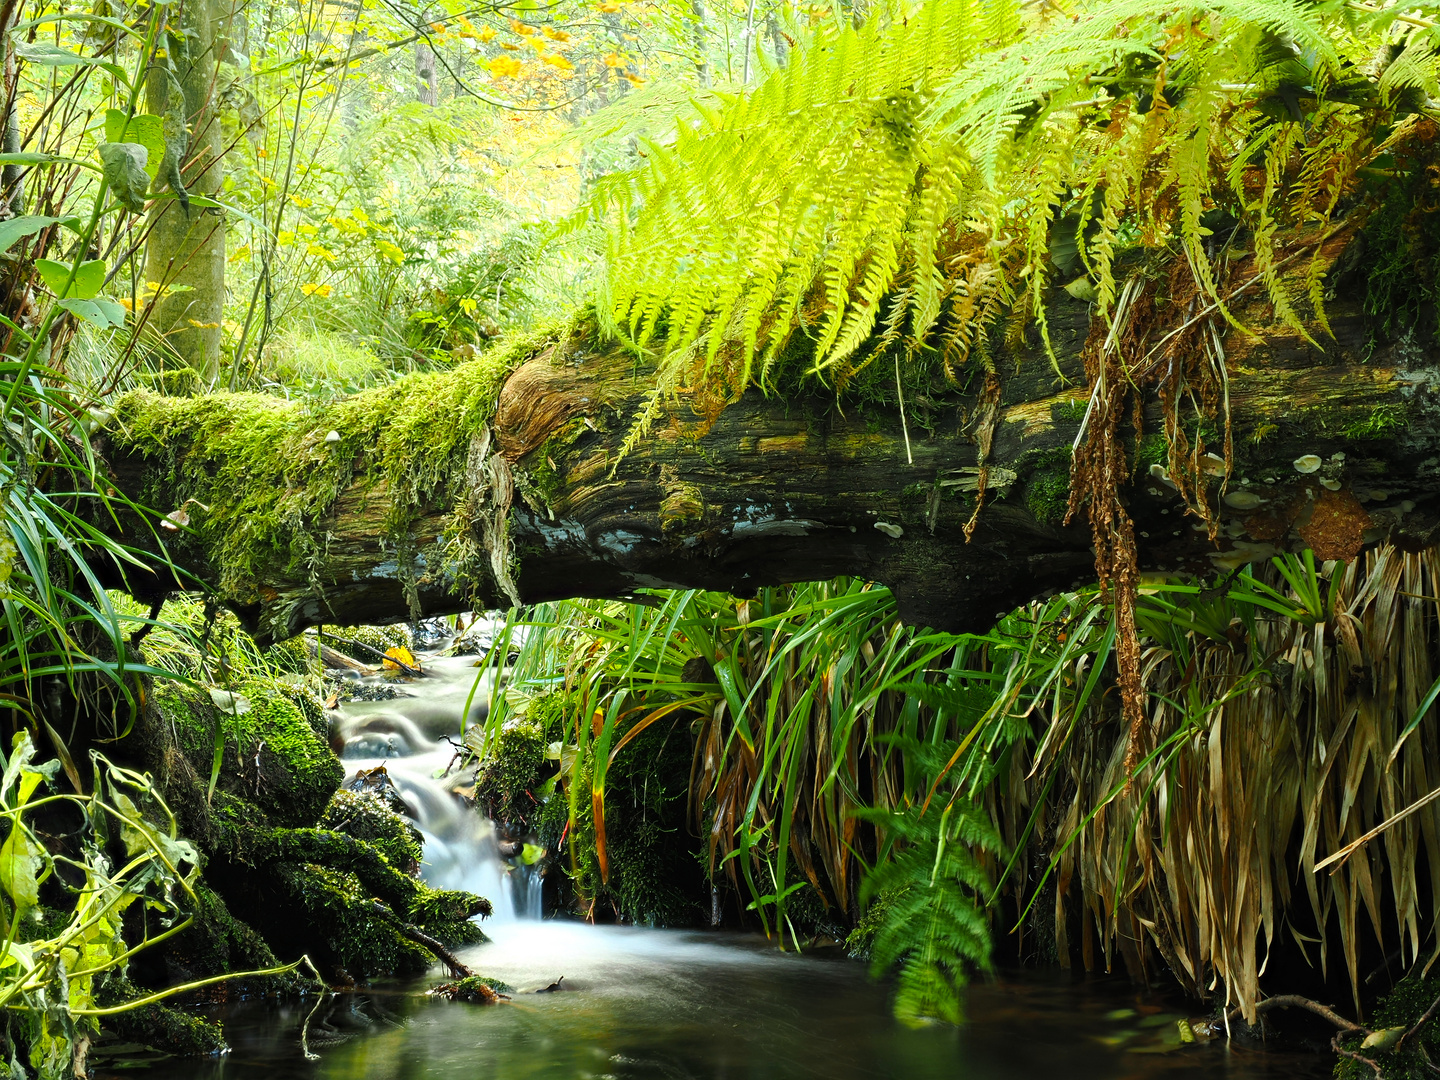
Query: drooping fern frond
x,y
907,182
932,928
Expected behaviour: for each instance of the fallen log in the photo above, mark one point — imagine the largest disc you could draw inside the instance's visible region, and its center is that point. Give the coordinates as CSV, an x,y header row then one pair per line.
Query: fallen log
x,y
518,478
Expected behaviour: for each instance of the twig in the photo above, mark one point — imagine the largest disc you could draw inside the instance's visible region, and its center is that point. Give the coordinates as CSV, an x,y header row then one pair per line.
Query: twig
x,y
1417,1025
1295,1001
415,934
1353,1055
380,653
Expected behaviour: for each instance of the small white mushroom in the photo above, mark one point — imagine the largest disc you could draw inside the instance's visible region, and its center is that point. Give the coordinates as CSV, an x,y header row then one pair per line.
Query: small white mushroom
x,y
1330,485
1159,472
1407,506
1242,500
334,436
892,531
1338,457
1213,464
1307,464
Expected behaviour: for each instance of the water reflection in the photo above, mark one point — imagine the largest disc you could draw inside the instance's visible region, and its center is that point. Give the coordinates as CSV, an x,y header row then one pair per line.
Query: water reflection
x,y
641,1004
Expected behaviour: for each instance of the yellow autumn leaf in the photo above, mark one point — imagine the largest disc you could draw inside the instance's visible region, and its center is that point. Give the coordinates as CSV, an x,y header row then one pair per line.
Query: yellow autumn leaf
x,y
614,60
558,61
632,79
486,34
608,8
503,66
554,35
390,251
538,44
510,46
521,29
311,288
400,655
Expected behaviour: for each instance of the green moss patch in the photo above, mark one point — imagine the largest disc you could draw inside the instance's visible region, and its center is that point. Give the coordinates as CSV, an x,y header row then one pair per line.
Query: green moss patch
x,y
263,473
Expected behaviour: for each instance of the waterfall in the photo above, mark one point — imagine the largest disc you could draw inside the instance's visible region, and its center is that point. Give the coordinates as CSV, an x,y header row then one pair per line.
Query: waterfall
x,y
408,736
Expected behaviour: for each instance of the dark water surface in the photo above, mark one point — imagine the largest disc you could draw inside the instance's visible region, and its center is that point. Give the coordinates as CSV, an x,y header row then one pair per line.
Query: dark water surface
x,y
679,1005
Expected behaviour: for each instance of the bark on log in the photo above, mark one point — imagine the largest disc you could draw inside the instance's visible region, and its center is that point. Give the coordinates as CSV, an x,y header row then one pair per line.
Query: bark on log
x,y
769,490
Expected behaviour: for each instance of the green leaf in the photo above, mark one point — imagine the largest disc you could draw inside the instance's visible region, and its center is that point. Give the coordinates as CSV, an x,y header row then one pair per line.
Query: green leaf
x,y
16,229
21,863
143,129
42,52
99,312
126,172
89,278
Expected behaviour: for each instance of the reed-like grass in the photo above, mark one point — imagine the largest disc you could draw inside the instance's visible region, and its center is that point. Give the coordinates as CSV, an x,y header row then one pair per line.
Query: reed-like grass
x,y
1290,711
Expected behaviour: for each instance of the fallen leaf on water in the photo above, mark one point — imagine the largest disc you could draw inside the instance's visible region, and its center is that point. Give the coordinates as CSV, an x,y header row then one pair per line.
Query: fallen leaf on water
x,y
398,656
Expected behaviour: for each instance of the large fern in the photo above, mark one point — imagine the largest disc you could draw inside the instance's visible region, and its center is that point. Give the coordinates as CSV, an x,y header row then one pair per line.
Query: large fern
x,y
907,182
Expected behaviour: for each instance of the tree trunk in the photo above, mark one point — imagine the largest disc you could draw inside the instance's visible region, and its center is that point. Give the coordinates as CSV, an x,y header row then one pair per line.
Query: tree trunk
x,y
185,249
432,501
427,83
701,41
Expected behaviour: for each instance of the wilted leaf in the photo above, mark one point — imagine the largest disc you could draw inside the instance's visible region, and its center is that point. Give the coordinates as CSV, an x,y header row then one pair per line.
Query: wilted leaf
x,y
21,862
1383,1040
145,129
230,702
126,172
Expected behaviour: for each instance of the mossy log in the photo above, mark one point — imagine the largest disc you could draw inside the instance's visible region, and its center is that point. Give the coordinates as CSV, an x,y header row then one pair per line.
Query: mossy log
x,y
509,478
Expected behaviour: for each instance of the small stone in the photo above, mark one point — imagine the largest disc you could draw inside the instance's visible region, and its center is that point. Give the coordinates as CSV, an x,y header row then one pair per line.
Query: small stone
x,y
895,532
1308,463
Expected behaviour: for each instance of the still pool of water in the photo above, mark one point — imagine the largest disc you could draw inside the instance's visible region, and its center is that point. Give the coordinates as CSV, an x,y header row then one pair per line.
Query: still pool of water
x,y
638,1004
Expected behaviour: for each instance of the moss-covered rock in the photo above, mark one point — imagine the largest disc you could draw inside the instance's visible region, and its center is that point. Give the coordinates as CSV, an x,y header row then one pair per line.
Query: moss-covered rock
x,y
377,640
161,1027
339,921
216,942
1396,1013
365,816
505,781
272,755
475,989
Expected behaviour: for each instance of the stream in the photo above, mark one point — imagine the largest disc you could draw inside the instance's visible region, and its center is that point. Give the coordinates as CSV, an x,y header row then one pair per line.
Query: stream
x,y
670,1004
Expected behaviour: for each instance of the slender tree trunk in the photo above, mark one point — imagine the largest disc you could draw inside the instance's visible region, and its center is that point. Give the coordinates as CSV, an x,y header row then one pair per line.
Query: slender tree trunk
x,y
427,83
10,142
779,44
185,252
701,42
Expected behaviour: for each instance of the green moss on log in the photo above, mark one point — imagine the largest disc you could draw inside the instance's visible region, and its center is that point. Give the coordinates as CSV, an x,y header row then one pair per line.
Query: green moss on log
x,y
263,474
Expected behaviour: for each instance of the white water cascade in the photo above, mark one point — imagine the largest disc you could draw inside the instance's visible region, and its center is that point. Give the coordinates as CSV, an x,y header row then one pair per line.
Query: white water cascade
x,y
407,735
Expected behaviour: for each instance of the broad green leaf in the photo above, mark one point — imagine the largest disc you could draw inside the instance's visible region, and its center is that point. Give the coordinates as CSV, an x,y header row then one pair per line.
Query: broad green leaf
x,y
21,862
16,229
126,171
89,278
143,129
99,313
42,52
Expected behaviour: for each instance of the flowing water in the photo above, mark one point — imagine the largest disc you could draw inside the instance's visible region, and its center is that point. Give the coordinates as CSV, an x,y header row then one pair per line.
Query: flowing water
x,y
636,1004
